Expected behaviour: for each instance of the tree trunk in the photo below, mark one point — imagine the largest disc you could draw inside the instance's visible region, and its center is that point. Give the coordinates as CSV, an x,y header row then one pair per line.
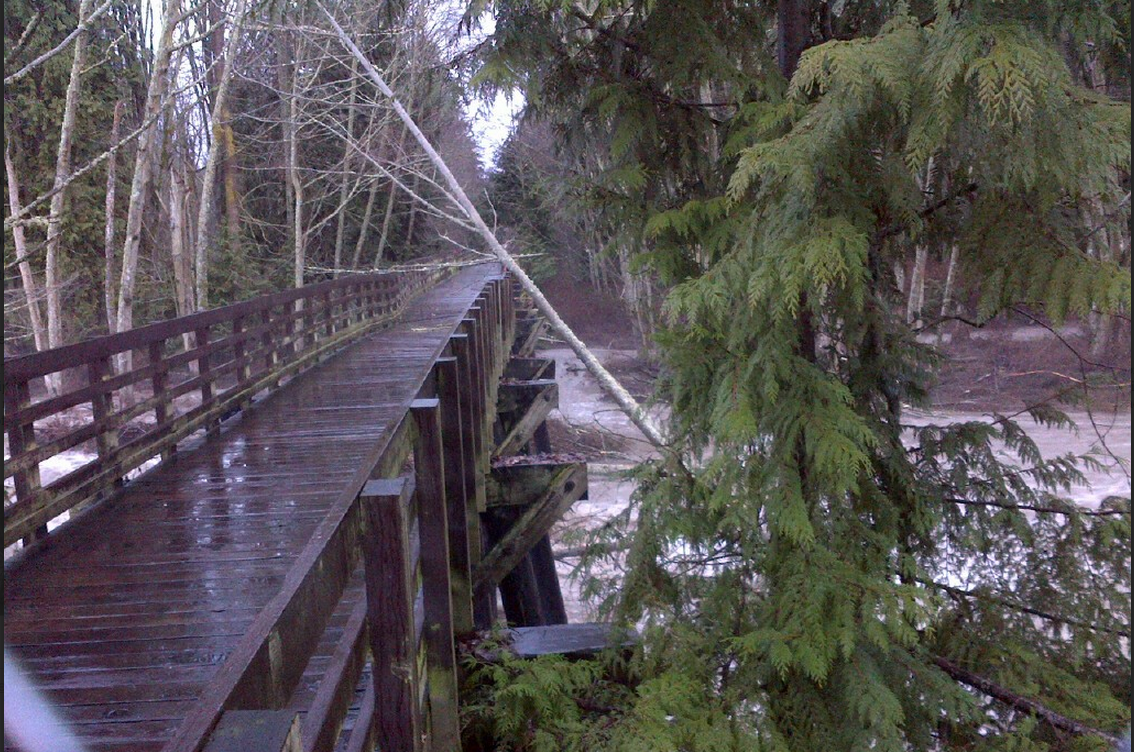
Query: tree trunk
x,y
140,185
179,248
344,186
231,180
206,220
950,278
606,380
27,277
55,214
916,300
108,240
389,204
296,189
364,230
283,84
412,211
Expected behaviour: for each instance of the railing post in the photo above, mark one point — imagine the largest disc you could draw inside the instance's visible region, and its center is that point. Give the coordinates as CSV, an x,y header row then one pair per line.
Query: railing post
x,y
106,440
430,471
449,393
390,591
243,369
328,315
159,381
21,438
203,371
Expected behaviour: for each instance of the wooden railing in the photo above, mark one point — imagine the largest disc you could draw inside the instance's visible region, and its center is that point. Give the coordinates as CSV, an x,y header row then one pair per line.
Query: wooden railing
x,y
189,373
414,527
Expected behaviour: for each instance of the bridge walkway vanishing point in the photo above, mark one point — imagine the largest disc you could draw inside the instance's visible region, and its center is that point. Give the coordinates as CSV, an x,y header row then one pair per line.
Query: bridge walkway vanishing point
x,y
231,596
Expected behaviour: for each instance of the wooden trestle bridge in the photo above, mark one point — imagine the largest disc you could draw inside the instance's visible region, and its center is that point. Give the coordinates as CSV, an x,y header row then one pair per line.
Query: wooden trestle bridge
x,y
297,503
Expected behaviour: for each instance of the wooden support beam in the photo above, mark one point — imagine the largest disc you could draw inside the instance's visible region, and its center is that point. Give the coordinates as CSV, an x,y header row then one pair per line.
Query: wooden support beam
x,y
429,467
573,640
519,590
256,731
447,377
566,485
324,719
522,407
528,331
529,369
551,604
522,481
390,593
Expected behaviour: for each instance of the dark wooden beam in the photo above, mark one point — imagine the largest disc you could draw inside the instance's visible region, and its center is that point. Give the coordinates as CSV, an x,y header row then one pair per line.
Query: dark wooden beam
x,y
429,467
529,369
522,408
390,593
522,481
563,487
256,731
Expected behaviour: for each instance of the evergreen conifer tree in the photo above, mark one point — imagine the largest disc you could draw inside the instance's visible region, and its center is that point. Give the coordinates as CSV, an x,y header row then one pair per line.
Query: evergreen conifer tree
x,y
829,577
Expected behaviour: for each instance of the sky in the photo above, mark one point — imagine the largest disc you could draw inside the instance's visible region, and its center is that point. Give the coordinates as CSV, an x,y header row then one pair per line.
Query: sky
x,y
492,119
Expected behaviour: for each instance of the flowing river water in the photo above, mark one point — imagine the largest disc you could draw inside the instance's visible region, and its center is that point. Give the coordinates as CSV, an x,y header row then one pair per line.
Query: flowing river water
x,y
585,408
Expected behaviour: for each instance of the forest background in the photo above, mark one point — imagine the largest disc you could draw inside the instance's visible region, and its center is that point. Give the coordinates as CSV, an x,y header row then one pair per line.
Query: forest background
x,y
803,208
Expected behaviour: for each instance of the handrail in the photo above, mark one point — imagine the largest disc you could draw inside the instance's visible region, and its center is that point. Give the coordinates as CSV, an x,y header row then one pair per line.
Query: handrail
x,y
397,519
233,354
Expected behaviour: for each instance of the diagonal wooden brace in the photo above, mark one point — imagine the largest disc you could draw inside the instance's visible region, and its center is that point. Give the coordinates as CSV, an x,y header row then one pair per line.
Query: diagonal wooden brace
x,y
529,369
528,331
547,491
522,407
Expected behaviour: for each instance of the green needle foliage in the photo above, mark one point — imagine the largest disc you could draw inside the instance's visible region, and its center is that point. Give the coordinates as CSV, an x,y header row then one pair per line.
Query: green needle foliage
x,y
829,577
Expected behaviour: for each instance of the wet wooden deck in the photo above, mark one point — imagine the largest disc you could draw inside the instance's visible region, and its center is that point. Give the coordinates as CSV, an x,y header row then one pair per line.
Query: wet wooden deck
x,y
125,616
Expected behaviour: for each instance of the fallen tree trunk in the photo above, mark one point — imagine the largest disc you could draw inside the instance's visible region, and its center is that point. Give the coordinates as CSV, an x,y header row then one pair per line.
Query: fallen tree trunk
x,y
606,380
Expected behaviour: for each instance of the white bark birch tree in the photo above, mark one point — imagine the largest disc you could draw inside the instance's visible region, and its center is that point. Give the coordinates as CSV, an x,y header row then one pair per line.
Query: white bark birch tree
x,y
143,172
27,276
52,282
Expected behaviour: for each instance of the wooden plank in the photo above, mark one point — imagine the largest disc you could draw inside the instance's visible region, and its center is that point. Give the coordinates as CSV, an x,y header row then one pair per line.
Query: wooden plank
x,y
397,721
332,700
364,736
256,731
267,664
575,640
430,471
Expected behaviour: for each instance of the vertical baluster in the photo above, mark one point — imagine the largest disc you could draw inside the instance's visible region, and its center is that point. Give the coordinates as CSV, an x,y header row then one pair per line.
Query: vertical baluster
x,y
204,371
390,593
106,439
21,438
430,472
268,344
160,382
329,314
239,356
